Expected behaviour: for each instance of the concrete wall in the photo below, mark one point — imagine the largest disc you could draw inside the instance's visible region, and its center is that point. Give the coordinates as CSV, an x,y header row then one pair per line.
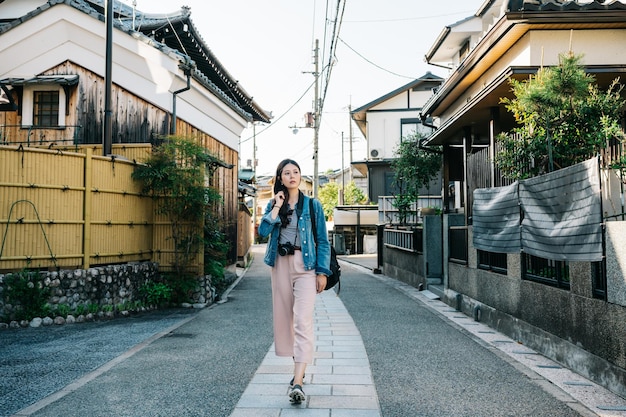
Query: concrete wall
x,y
616,262
585,334
404,266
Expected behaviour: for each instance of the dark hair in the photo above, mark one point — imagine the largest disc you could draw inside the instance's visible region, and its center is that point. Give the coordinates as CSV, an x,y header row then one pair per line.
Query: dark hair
x,y
279,186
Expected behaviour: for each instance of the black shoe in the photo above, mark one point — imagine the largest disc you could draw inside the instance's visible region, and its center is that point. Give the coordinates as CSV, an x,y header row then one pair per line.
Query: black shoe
x,y
296,395
292,379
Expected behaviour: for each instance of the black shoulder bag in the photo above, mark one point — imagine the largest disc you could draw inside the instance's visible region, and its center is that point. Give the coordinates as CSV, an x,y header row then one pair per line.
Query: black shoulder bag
x,y
335,269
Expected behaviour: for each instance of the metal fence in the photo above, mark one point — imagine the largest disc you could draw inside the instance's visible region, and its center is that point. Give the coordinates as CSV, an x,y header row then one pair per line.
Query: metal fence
x,y
408,240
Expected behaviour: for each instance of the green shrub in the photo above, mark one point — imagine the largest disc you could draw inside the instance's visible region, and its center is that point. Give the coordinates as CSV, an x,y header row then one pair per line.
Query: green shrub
x,y
62,310
155,293
81,309
26,291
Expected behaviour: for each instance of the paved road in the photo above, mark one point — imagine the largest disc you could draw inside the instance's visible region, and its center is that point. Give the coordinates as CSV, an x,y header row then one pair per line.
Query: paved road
x,y
424,366
186,363
198,369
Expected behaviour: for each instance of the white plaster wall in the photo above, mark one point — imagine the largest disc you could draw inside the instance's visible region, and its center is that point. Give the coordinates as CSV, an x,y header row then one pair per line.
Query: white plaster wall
x,y
600,47
536,48
62,33
383,120
384,131
13,9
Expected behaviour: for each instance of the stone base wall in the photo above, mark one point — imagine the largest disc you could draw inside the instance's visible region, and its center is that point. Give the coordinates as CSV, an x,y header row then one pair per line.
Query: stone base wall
x,y
404,266
111,285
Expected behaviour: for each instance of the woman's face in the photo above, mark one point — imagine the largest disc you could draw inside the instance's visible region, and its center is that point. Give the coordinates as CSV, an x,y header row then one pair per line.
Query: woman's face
x,y
290,176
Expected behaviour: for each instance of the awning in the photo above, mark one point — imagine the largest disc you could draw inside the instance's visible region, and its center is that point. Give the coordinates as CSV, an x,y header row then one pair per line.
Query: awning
x,y
70,79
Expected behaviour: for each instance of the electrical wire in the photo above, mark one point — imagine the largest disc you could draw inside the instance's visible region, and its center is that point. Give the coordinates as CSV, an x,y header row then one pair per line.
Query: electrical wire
x,y
374,64
282,115
333,47
404,19
327,67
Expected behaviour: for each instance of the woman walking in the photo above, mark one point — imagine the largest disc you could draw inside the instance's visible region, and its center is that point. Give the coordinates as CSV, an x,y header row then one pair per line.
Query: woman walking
x,y
299,268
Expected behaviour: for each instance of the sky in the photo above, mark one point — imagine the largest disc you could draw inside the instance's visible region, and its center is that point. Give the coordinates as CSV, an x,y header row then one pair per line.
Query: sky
x,y
268,47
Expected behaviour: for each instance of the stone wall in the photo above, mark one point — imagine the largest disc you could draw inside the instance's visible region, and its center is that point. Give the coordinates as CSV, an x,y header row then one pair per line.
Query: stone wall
x,y
111,285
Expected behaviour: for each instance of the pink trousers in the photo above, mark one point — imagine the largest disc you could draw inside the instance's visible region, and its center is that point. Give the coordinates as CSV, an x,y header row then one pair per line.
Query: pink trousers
x,y
293,299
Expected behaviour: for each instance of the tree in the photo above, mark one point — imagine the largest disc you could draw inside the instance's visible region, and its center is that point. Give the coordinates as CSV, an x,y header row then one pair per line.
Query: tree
x,y
414,167
564,119
354,195
329,196
175,176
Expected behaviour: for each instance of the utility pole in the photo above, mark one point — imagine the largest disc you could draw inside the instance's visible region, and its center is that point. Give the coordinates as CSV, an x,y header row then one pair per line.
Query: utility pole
x,y
316,121
350,131
254,199
317,115
108,128
343,175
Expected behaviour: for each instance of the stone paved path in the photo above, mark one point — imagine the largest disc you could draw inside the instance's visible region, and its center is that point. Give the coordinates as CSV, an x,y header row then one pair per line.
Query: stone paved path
x,y
338,383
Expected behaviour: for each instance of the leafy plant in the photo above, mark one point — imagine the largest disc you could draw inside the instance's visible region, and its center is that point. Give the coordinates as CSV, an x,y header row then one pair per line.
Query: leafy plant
x,y
26,291
81,309
414,167
221,284
62,310
175,174
181,287
329,196
564,119
155,293
353,194
216,248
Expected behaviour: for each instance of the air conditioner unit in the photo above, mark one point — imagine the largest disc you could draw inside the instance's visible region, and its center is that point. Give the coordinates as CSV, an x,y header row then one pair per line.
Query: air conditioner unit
x,y
375,153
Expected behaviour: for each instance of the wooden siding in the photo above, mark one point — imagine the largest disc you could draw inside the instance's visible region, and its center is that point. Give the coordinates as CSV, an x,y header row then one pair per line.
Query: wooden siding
x,y
136,125
134,120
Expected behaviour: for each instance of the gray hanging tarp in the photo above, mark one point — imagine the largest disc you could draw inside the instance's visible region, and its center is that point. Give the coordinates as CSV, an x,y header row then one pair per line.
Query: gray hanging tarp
x,y
496,219
562,214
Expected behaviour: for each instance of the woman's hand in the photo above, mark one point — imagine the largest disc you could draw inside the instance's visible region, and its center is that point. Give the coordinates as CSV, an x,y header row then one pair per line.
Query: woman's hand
x,y
321,283
279,199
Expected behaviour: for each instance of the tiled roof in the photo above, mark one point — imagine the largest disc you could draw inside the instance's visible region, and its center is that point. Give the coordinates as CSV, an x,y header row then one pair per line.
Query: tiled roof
x,y
175,35
567,5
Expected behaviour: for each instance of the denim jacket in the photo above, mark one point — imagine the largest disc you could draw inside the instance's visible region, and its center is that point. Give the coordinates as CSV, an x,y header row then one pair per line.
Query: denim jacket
x,y
315,256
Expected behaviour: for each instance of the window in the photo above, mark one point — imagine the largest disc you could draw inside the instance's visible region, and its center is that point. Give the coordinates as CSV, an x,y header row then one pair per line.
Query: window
x,y
464,50
492,261
408,128
598,279
457,244
546,271
45,104
46,108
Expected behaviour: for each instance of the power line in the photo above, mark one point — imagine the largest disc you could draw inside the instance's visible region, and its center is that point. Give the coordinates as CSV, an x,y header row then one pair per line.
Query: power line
x,y
410,18
273,123
372,63
333,48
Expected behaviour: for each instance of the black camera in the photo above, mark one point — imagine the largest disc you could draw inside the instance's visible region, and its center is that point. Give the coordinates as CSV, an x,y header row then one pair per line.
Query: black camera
x,y
286,249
